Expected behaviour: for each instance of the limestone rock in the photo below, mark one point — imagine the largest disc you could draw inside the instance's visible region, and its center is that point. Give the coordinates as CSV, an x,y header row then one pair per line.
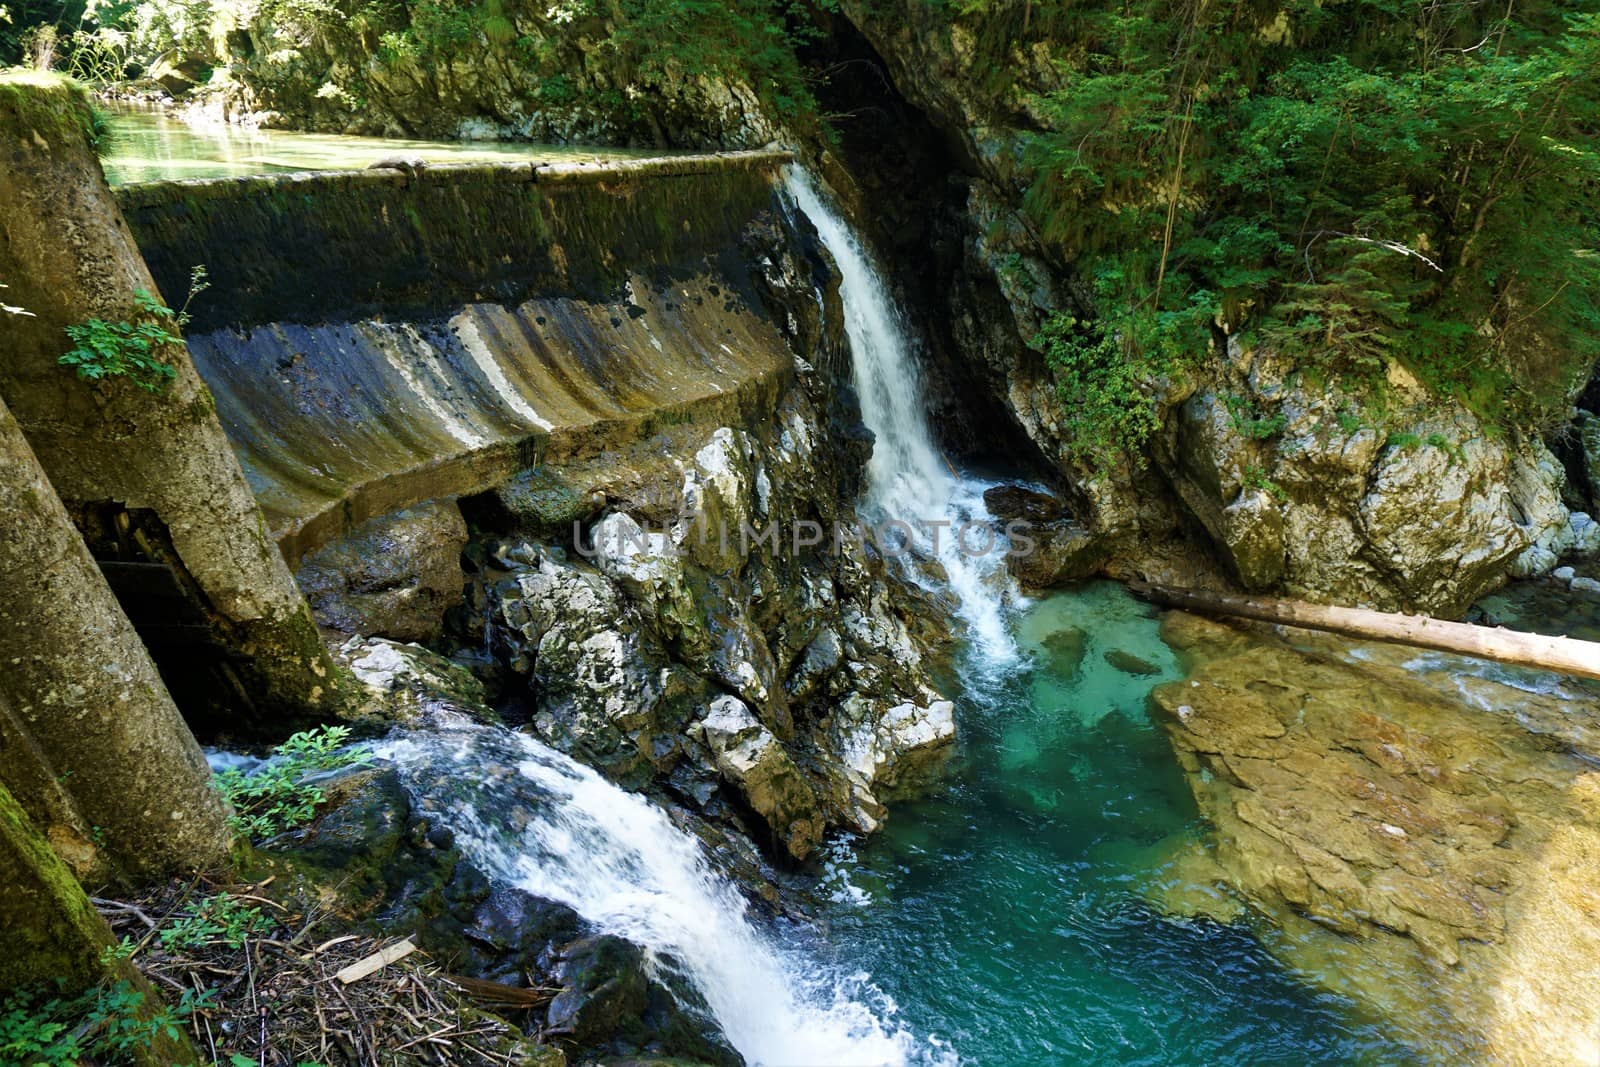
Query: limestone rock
x,y
1253,530
1019,502
403,682
1442,816
1055,553
750,757
897,749
393,576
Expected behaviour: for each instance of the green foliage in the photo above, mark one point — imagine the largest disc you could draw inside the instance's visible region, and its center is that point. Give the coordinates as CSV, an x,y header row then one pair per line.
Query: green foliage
x,y
274,798
1256,478
133,350
215,920
105,1024
1404,440
1105,391
1357,183
647,45
1244,418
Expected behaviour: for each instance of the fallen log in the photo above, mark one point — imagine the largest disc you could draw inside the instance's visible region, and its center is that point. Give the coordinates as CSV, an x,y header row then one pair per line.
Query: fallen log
x,y
1565,655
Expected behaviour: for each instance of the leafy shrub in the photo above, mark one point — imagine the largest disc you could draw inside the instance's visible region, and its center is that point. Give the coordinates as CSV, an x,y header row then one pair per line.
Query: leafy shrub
x,y
133,350
1109,404
43,1028
1244,418
215,920
274,798
1355,184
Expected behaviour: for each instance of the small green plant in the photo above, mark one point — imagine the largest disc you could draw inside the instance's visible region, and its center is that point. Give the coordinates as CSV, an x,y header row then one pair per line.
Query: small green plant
x,y
1256,478
1445,445
1243,416
215,920
274,798
1110,408
41,1027
133,350
1404,440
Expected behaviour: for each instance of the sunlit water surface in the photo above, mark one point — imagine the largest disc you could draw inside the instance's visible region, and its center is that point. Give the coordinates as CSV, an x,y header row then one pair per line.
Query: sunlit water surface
x,y
1006,915
148,146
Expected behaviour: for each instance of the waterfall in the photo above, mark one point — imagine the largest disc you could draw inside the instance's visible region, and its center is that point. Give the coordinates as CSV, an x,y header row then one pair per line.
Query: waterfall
x,y
529,816
908,478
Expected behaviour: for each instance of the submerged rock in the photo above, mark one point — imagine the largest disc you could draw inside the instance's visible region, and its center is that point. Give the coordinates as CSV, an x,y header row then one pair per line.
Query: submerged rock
x,y
1128,663
1424,829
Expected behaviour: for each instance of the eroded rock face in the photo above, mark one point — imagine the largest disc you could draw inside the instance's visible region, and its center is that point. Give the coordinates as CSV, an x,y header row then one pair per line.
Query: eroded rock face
x,y
1305,491
1416,507
702,631
1441,818
393,576
749,756
712,648
330,74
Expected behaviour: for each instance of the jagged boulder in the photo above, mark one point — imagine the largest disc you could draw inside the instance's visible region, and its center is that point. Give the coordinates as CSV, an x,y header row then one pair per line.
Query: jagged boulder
x,y
752,759
606,688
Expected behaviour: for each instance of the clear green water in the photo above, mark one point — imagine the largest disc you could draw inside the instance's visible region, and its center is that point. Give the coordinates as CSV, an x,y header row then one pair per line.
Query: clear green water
x,y
148,146
1007,916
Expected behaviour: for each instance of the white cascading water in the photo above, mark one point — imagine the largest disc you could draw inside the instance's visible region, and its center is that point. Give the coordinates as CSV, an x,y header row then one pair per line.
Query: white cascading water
x,y
908,479
531,817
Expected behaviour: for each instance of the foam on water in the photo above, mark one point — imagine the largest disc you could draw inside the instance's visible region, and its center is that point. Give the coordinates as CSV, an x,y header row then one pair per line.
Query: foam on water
x,y
530,816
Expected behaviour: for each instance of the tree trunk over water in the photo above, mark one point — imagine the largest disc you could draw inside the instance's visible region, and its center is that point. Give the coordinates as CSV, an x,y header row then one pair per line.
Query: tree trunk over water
x,y
67,256
1562,654
90,742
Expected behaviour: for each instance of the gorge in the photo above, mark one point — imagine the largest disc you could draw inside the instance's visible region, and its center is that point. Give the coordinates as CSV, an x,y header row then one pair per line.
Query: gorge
x,y
566,553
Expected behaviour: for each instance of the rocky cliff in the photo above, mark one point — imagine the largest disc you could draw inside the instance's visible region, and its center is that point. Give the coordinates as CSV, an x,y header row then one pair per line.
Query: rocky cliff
x,y
1418,503
621,396
1259,473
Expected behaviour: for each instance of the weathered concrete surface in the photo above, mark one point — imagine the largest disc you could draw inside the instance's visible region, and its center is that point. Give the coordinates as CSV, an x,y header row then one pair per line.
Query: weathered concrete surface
x,y
90,742
374,341
336,424
1425,829
67,256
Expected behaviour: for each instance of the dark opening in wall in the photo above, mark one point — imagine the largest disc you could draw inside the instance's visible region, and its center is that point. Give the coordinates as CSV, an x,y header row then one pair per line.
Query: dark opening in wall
x,y
910,191
172,617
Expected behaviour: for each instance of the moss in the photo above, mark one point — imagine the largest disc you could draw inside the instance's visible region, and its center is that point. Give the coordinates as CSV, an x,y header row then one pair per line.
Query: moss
x,y
51,105
52,931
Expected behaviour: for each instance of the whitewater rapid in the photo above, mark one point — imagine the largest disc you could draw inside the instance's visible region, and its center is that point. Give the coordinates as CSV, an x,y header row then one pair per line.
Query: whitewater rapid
x,y
528,816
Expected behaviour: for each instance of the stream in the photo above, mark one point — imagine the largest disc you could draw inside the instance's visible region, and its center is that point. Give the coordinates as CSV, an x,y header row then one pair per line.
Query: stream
x,y
1003,920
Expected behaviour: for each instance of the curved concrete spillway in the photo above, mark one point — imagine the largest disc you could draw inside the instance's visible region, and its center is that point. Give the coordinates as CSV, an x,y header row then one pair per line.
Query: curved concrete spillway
x,y
430,337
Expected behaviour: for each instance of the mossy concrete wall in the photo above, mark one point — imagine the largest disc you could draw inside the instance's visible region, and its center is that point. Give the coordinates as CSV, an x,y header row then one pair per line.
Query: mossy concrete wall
x,y
376,339
66,256
315,247
90,742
